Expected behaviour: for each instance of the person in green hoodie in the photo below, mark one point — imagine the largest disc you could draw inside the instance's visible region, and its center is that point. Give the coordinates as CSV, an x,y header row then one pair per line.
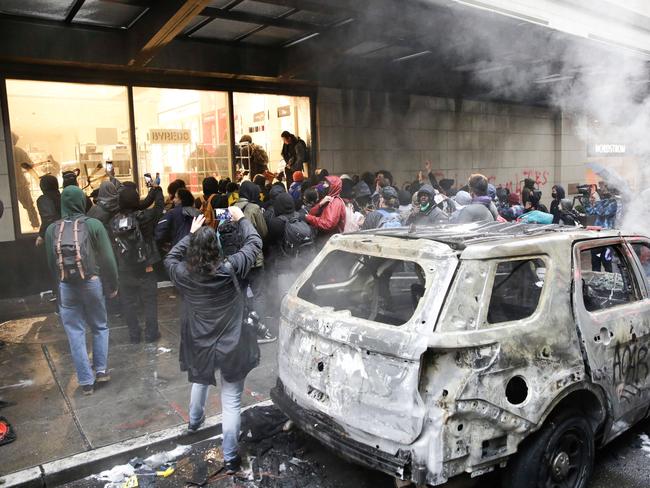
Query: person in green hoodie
x,y
80,290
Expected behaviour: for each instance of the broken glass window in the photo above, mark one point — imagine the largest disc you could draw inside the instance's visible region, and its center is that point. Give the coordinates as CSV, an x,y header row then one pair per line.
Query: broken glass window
x,y
516,290
374,288
606,278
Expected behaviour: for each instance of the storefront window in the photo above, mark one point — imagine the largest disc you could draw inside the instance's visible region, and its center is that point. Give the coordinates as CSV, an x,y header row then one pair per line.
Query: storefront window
x,y
265,117
59,127
182,134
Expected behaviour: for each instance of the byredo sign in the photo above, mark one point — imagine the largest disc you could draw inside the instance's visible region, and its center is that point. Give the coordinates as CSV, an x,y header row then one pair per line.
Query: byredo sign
x,y
169,136
607,149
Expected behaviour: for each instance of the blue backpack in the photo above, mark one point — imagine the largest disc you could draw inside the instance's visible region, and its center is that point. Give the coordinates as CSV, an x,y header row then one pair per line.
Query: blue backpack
x,y
389,220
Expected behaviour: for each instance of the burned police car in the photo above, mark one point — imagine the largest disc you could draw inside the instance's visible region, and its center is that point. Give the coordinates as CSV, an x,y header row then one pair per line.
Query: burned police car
x,y
431,352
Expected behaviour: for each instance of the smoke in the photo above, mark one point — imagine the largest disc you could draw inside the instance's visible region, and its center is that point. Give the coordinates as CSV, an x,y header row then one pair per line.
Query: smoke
x,y
602,89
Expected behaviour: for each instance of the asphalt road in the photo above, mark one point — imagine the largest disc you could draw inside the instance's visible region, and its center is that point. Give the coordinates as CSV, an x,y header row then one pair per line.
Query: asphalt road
x,y
274,458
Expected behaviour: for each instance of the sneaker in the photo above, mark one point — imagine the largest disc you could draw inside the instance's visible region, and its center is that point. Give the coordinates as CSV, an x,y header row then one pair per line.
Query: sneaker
x,y
88,389
233,466
102,377
194,427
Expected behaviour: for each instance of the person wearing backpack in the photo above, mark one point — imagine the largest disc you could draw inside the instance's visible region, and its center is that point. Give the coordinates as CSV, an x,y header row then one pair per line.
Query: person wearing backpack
x,y
80,257
132,230
249,194
213,336
387,215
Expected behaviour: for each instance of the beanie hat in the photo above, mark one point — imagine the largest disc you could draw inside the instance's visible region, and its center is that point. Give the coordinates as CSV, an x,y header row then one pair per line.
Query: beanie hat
x,y
298,176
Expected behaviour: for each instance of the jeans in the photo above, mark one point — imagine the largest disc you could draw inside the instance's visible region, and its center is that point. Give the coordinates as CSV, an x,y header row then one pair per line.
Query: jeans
x,y
82,304
136,288
256,279
230,412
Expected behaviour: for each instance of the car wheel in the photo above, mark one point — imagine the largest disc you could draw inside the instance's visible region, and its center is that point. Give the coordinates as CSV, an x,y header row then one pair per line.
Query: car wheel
x,y
560,455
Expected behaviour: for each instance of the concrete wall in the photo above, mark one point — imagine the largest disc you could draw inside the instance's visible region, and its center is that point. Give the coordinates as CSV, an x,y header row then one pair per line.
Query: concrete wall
x,y
6,221
363,131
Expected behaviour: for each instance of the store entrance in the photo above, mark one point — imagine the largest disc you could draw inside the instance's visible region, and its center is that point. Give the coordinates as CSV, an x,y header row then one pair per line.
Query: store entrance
x,y
263,118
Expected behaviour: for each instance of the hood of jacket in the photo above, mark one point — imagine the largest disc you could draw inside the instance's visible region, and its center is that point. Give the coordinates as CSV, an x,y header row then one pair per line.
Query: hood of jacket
x,y
529,183
560,193
361,190
275,191
482,200
428,189
250,191
73,201
284,204
335,186
108,196
49,183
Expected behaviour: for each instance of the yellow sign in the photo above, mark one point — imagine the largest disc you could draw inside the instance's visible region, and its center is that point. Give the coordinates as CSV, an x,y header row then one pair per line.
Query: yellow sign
x,y
170,136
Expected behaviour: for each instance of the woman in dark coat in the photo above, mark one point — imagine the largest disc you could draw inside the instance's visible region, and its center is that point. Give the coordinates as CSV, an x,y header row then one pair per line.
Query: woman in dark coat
x,y
211,320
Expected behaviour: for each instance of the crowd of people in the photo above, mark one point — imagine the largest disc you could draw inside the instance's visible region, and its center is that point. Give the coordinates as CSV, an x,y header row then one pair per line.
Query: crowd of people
x,y
229,250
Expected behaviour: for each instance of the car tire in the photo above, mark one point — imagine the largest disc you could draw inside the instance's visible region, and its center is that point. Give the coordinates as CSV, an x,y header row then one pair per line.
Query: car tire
x,y
559,455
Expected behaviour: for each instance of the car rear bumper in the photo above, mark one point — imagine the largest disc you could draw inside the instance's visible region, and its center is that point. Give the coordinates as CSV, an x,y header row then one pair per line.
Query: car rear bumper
x,y
332,435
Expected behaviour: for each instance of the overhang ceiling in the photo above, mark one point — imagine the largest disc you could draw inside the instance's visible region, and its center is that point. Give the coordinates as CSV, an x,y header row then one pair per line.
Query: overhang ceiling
x,y
436,47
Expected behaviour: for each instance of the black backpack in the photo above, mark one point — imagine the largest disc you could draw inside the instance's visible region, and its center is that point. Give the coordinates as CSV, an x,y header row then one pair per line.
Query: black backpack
x,y
128,237
229,237
71,249
298,236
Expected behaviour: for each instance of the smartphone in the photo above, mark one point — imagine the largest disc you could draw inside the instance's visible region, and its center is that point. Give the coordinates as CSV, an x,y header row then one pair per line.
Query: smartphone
x,y
222,214
109,167
147,179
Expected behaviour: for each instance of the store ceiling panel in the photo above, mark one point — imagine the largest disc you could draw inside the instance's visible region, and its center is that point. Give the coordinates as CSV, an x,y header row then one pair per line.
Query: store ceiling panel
x,y
46,9
259,8
316,17
108,14
270,36
221,3
224,30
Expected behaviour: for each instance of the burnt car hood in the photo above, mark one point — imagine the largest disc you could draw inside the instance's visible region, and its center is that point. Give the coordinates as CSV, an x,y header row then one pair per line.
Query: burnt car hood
x,y
364,374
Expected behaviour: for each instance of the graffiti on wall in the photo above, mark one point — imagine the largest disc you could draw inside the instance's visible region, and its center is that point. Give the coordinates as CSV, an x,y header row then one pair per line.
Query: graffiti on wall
x,y
514,185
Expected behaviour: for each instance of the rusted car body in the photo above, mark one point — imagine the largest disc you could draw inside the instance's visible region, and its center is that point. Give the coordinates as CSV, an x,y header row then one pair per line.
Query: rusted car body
x,y
506,326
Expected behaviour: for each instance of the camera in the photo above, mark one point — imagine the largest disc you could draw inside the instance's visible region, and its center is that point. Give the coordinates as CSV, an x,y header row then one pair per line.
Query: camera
x,y
584,190
222,214
148,180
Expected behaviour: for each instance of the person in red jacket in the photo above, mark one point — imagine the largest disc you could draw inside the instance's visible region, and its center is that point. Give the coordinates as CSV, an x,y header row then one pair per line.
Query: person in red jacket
x,y
328,215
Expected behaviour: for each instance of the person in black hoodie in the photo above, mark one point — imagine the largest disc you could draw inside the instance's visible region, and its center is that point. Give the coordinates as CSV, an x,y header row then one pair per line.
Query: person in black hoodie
x,y
107,204
558,194
137,278
176,223
211,321
48,204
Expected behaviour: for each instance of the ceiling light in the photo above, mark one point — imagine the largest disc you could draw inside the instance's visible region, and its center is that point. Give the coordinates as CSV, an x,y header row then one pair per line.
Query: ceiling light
x,y
411,56
302,39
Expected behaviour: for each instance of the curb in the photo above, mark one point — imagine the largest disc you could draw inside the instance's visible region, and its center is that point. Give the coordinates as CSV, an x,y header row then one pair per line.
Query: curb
x,y
84,464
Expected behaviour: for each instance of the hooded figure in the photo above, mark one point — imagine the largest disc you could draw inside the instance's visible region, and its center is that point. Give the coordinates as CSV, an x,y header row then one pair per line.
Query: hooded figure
x,y
107,204
328,215
527,191
426,211
82,302
558,195
49,203
249,196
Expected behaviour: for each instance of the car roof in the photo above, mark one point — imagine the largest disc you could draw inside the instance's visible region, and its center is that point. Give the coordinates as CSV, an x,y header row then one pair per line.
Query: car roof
x,y
482,239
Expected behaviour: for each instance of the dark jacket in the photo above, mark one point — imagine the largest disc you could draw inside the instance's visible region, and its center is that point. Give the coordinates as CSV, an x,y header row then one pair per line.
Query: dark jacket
x,y
101,258
555,204
175,224
49,203
295,154
107,204
432,215
477,211
283,205
147,221
211,307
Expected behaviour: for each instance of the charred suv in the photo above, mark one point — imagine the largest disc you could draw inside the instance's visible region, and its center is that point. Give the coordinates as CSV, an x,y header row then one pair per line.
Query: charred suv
x,y
460,349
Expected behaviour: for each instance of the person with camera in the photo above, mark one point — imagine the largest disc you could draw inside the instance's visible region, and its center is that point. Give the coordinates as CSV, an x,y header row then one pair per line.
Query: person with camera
x,y
80,257
213,335
132,230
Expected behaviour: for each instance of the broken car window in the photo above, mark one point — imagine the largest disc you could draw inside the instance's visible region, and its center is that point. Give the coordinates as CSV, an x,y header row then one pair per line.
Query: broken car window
x,y
369,287
642,251
606,278
516,290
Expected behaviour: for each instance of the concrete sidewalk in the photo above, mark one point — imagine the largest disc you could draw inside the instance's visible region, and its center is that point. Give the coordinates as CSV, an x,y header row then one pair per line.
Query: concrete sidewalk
x,y
147,393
